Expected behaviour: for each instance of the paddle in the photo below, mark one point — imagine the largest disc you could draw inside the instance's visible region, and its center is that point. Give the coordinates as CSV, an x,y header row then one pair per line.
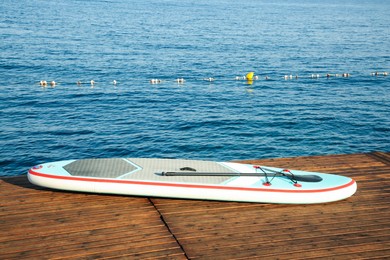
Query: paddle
x,y
302,178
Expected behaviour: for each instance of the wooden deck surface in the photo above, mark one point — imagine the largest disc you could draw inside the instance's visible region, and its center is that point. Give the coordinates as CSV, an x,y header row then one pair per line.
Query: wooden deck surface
x,y
38,223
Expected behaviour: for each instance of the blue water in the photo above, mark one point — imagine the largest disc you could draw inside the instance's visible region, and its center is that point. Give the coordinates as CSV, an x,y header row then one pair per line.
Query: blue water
x,y
135,41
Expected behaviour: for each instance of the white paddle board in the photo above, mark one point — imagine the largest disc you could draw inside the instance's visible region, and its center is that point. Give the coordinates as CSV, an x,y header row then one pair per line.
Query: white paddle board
x,y
192,179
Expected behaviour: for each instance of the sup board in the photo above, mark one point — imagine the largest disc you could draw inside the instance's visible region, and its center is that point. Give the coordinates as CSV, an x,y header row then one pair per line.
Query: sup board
x,y
192,179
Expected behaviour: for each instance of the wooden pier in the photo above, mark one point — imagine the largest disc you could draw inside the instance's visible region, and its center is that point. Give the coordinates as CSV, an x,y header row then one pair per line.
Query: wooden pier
x,y
38,223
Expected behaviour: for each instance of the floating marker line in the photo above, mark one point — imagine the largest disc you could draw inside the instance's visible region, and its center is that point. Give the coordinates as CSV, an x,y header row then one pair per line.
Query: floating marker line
x,y
249,77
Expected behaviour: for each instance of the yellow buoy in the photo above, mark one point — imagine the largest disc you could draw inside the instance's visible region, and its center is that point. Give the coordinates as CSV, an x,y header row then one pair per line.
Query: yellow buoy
x,y
249,76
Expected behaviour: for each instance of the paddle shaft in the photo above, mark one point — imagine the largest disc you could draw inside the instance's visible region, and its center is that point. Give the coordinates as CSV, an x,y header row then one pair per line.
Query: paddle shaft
x,y
233,174
304,178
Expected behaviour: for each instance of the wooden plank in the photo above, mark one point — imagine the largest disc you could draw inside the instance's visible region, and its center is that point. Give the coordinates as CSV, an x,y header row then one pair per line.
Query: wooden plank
x,y
41,223
358,226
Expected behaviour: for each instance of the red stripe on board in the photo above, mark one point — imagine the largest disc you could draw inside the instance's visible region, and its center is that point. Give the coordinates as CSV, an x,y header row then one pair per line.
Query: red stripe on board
x,y
184,185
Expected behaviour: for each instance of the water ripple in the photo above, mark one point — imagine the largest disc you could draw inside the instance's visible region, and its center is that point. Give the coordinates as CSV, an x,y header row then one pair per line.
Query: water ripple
x,y
222,120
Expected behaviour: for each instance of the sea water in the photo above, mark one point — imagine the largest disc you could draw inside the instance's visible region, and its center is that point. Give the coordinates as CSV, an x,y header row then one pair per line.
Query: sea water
x,y
135,41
